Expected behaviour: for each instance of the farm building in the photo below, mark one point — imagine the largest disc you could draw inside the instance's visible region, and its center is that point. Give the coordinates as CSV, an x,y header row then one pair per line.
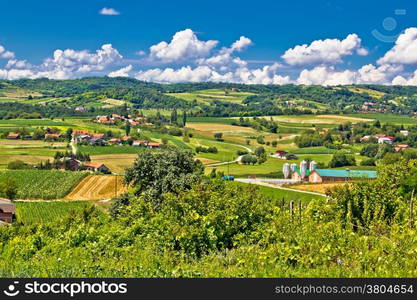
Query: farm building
x,y
400,147
53,136
7,210
386,139
96,167
114,141
13,136
138,143
328,175
154,145
280,153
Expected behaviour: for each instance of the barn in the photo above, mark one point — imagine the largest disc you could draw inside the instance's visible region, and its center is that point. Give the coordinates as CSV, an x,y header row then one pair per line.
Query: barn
x,y
329,175
7,210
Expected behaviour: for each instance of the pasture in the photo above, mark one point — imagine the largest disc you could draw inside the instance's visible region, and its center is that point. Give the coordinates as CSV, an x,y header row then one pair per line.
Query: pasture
x,y
210,95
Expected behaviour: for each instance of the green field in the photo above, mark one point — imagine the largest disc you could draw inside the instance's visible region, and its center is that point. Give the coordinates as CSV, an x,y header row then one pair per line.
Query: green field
x,y
387,118
42,212
207,96
42,184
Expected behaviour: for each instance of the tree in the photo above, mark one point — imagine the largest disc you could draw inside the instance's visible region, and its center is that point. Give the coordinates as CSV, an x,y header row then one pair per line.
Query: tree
x,y
68,134
174,116
8,189
341,159
218,136
171,170
184,118
127,128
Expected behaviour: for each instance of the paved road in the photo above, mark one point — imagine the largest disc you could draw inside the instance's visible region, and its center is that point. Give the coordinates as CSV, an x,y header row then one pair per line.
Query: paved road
x,y
237,160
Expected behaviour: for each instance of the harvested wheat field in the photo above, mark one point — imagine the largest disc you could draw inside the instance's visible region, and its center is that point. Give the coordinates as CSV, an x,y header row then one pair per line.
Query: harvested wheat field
x,y
97,187
316,187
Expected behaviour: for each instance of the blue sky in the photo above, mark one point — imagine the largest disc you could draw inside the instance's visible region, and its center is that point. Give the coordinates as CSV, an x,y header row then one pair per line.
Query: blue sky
x,y
33,30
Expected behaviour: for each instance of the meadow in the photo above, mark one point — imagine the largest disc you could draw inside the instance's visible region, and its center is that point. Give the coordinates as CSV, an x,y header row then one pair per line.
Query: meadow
x,y
210,95
42,184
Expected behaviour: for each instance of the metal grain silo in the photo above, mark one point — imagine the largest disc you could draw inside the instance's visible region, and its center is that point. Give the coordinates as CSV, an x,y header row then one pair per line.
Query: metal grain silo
x,y
293,167
313,165
303,168
286,170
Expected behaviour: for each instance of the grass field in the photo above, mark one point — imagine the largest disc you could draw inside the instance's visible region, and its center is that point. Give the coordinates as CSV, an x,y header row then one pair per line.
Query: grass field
x,y
388,118
207,96
42,184
42,212
322,119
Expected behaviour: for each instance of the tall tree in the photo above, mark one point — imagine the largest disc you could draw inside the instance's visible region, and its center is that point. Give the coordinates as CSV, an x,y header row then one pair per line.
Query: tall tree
x,y
127,129
184,118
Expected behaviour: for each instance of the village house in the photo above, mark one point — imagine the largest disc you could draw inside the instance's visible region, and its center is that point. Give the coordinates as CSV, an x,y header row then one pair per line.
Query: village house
x,y
153,145
53,136
404,132
13,136
80,132
401,147
386,139
7,210
138,143
280,154
80,108
71,164
114,141
96,167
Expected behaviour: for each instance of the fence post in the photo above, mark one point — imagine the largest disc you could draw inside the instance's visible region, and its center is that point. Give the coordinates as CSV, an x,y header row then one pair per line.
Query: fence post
x,y
299,208
411,210
292,210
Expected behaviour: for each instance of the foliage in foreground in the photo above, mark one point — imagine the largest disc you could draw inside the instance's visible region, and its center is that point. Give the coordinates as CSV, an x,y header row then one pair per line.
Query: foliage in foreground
x,y
222,229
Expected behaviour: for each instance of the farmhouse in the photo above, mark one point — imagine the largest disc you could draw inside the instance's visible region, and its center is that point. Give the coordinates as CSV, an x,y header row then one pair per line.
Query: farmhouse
x,y
329,175
154,145
114,141
71,164
96,167
386,139
400,147
53,136
138,143
280,153
13,136
7,210
404,132
80,132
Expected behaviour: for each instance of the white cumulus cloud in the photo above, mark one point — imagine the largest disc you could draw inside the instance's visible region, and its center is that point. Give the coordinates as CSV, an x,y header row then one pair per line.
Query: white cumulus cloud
x,y
5,54
400,80
123,72
404,50
109,11
184,46
324,51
